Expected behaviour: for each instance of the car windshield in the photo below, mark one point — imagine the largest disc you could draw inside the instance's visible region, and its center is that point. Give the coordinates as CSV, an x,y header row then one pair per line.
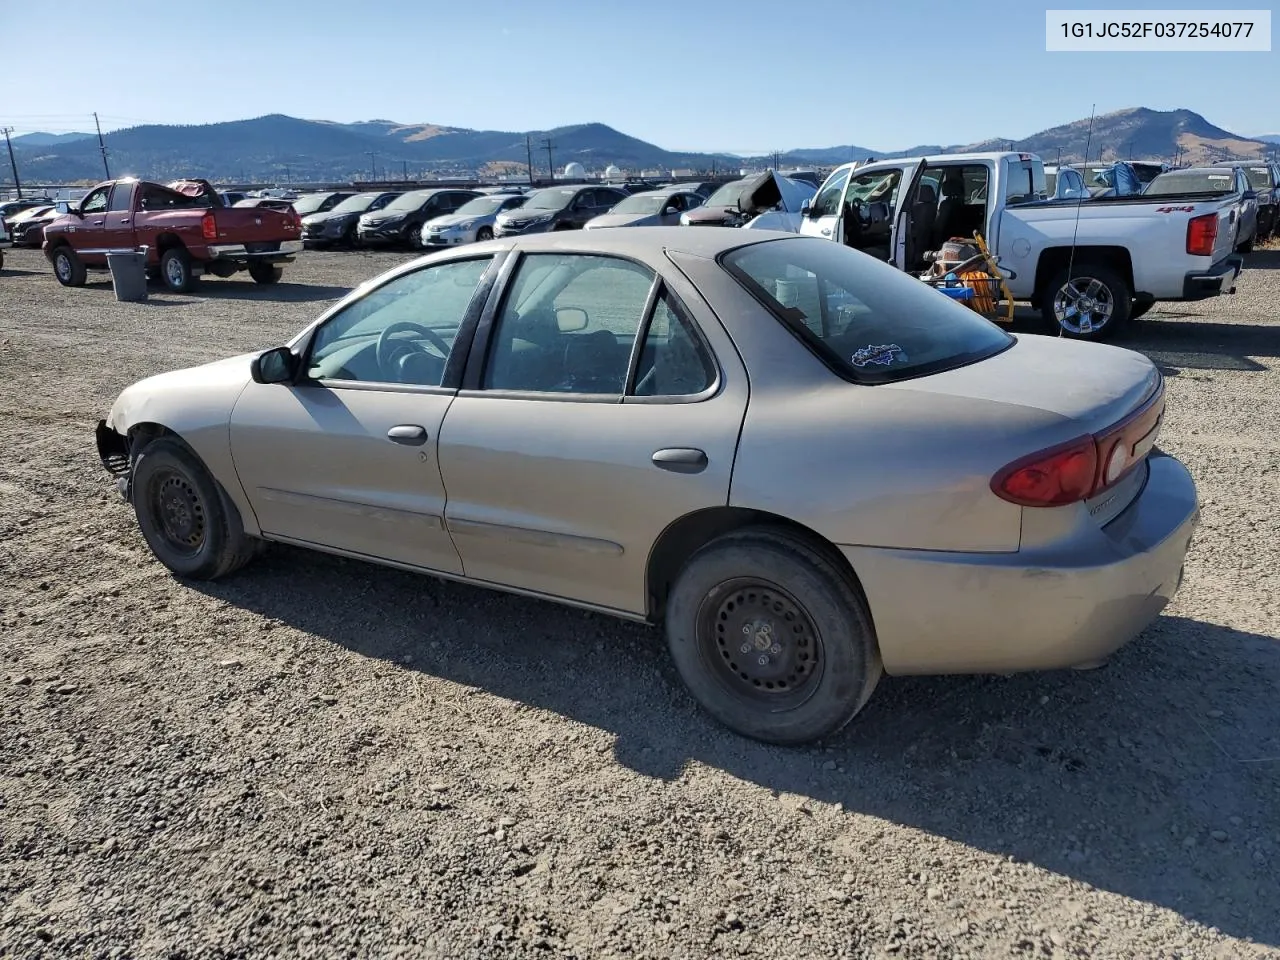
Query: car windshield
x,y
727,196
408,202
310,204
481,206
868,321
1259,177
641,203
1192,181
554,199
357,204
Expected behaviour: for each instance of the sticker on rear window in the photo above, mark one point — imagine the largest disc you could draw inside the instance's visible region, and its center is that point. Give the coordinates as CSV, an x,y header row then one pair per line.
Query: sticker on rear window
x,y
881,355
1216,177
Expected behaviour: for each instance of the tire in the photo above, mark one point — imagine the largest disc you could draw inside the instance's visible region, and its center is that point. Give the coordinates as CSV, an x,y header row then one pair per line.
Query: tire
x,y
349,239
1,259
413,237
68,268
265,273
1110,289
1140,306
175,270
483,234
188,522
738,592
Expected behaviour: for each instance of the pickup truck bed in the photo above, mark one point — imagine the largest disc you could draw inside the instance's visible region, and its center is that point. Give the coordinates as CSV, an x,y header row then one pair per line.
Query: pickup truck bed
x,y
184,228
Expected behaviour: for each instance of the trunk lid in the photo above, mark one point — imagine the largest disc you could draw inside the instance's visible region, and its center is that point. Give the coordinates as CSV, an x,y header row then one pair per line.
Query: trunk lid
x,y
1114,394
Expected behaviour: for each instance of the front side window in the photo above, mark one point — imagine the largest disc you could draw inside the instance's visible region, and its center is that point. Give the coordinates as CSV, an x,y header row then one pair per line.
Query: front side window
x,y
568,325
827,202
96,202
867,321
402,332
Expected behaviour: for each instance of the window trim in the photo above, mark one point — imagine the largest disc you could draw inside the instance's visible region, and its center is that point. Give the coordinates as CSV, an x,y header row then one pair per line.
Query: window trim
x,y
472,381
451,378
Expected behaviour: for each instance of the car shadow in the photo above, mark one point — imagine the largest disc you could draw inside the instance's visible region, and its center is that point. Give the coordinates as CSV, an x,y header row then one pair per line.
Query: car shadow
x,y
18,272
1186,343
1262,260
1108,777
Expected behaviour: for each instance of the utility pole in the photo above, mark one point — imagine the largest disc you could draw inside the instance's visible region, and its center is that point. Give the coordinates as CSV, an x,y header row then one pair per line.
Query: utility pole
x,y
101,145
404,164
373,165
551,165
13,163
528,150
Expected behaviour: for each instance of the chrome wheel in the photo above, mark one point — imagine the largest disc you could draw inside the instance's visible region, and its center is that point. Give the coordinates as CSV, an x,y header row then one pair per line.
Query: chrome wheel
x,y
62,267
175,272
1083,305
760,643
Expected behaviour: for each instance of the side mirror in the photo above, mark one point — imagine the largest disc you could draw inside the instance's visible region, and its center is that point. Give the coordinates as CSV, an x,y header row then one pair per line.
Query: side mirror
x,y
62,207
1249,195
277,365
669,211
571,319
806,207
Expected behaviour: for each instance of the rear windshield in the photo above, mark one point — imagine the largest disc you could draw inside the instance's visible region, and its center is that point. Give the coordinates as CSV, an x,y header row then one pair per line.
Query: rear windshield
x,y
1259,177
1192,181
310,203
866,320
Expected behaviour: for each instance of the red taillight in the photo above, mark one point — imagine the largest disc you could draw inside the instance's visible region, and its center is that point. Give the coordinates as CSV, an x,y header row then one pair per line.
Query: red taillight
x,y
1051,477
1202,234
1084,467
209,226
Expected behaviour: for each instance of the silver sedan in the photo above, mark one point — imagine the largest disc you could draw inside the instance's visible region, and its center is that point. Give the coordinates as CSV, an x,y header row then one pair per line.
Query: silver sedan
x,y
470,223
810,467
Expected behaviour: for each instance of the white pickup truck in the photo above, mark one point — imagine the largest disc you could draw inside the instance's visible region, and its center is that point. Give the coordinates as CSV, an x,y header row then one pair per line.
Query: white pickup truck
x,y
1088,267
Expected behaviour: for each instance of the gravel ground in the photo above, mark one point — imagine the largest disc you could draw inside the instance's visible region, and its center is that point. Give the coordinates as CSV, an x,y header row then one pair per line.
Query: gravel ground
x,y
323,758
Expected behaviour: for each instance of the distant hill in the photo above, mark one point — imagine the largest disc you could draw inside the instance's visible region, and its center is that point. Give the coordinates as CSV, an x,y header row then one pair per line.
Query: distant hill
x,y
1269,138
47,139
280,148
1138,133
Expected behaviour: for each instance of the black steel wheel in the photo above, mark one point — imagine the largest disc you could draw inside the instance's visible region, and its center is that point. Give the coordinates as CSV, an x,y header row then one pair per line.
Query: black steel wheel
x,y
483,234
760,642
772,636
189,523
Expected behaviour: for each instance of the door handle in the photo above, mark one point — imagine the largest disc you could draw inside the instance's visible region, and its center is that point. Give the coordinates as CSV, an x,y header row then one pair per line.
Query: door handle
x,y
98,223
410,434
680,459
124,219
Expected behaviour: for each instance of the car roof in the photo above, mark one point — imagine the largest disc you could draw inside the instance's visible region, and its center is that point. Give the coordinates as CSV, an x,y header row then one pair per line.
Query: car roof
x,y
651,244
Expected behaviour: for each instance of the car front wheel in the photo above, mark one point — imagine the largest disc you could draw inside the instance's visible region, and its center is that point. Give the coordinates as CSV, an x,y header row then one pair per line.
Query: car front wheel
x,y
68,268
187,521
772,638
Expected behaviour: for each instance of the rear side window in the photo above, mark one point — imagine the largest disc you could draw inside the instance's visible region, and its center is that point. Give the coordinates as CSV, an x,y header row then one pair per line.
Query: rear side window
x,y
869,322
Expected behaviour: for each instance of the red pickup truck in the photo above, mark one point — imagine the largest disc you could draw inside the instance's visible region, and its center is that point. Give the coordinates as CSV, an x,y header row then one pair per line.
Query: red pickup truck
x,y
184,226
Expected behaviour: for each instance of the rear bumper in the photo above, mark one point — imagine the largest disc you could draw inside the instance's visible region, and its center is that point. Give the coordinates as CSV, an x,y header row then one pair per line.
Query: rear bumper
x,y
238,253
1217,279
1033,610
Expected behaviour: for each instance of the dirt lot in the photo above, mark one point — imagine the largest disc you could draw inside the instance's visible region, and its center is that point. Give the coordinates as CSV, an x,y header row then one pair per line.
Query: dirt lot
x,y
323,758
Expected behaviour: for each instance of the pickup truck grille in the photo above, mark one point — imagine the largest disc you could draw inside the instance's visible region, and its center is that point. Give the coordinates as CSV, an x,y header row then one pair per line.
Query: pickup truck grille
x,y
264,246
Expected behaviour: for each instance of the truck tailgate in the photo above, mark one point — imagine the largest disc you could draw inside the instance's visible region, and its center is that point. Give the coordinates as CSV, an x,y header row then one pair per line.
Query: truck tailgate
x,y
253,225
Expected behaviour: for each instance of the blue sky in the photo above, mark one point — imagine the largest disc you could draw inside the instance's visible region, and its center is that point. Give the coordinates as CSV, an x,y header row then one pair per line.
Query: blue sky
x,y
741,77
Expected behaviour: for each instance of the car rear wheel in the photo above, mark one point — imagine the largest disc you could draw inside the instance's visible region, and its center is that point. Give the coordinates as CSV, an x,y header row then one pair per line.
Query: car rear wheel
x,y
175,270
483,234
186,519
266,273
1091,302
772,638
68,268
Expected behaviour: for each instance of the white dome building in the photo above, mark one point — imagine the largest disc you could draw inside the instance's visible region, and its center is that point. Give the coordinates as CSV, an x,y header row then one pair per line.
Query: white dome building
x,y
611,172
575,171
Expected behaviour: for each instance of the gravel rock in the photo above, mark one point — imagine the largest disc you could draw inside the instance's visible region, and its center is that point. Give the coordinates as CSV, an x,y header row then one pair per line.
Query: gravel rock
x,y
249,822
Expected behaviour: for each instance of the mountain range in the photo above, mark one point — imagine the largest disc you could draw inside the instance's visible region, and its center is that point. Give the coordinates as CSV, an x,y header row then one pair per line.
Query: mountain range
x,y
281,148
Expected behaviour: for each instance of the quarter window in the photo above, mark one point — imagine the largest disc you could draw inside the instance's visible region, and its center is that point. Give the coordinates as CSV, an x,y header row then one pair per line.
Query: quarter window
x,y
673,361
403,331
568,325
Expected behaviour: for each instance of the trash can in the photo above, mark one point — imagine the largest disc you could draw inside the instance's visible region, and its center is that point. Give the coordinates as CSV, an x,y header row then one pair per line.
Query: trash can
x,y
129,274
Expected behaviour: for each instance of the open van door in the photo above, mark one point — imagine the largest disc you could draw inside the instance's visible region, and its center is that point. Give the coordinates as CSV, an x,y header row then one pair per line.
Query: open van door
x,y
902,240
